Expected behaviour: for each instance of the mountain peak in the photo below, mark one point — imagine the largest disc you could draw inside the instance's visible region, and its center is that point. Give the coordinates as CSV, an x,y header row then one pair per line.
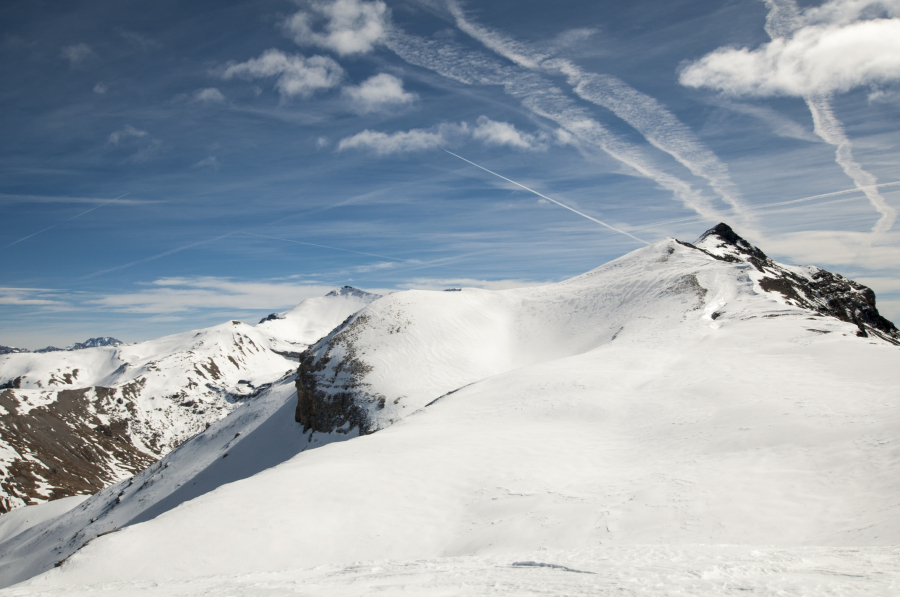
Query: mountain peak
x,y
722,241
349,291
806,287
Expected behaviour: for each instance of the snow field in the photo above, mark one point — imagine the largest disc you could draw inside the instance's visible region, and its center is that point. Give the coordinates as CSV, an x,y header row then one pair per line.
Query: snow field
x,y
633,422
696,570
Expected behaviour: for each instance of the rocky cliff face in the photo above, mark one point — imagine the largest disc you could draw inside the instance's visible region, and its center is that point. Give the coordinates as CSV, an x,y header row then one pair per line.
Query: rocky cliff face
x,y
331,395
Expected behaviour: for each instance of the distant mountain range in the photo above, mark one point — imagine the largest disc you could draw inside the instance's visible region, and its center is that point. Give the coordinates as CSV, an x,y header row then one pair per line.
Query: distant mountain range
x,y
77,420
89,343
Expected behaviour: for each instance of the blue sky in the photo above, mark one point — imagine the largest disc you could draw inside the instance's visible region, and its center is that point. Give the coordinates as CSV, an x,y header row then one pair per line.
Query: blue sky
x,y
174,165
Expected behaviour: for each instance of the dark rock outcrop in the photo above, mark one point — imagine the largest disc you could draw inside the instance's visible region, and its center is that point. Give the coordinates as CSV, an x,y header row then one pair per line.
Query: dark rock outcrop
x,y
330,393
818,290
12,350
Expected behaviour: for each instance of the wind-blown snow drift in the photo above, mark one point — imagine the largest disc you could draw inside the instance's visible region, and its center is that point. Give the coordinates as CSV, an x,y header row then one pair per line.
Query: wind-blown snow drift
x,y
663,398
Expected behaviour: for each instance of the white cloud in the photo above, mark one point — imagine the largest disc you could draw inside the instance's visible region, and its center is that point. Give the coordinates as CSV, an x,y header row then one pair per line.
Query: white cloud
x,y
404,141
344,26
76,54
815,53
210,95
29,296
490,132
296,74
210,162
126,132
503,133
101,88
878,284
141,145
817,59
835,247
378,93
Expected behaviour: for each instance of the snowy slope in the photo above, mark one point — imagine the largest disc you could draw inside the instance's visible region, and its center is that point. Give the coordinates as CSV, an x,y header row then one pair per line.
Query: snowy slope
x,y
294,330
125,406
661,401
22,519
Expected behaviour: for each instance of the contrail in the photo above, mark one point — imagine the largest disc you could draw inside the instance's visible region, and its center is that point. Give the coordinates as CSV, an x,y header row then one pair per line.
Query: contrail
x,y
827,126
644,113
64,221
779,203
583,215
539,96
154,257
785,18
287,240
209,240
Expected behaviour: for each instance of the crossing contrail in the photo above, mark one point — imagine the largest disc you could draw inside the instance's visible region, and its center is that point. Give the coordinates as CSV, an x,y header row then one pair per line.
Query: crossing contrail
x,y
778,204
583,215
155,257
64,221
287,240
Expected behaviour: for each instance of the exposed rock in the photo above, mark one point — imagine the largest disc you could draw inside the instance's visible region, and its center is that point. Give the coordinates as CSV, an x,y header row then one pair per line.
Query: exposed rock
x,y
73,452
808,287
89,343
330,393
351,291
11,350
95,342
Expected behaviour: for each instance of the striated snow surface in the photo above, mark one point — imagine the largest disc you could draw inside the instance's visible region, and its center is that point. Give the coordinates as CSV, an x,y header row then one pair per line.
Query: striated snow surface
x,y
660,425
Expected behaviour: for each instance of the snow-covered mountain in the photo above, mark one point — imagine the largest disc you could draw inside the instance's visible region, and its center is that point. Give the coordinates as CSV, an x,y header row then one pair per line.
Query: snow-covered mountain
x,y
603,435
89,343
294,330
76,421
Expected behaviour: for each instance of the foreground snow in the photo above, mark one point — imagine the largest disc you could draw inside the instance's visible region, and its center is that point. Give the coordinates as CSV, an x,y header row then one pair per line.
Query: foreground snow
x,y
606,424
695,570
